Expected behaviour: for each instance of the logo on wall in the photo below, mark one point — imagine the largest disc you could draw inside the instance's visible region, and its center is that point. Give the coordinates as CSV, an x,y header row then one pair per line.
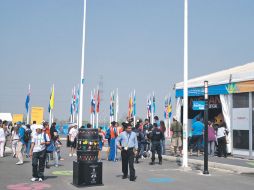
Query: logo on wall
x,y
232,88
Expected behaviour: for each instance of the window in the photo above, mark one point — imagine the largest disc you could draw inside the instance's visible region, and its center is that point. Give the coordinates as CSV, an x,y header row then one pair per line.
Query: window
x,y
241,100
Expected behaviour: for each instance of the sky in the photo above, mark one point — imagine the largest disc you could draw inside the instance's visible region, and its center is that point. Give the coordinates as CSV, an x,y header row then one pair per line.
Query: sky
x,y
131,44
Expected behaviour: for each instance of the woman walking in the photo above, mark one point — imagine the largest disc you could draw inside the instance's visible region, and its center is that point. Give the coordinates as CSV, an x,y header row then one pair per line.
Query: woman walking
x,y
221,138
211,138
14,140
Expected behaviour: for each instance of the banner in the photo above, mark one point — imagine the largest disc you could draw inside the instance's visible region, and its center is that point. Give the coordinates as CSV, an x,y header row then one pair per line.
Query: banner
x,y
37,114
17,117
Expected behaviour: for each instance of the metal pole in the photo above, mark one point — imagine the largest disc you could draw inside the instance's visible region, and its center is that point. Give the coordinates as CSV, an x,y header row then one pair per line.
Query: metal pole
x,y
206,130
82,68
185,105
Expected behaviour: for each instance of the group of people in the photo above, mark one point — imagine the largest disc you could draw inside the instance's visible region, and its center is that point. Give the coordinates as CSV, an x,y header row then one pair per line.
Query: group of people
x,y
37,142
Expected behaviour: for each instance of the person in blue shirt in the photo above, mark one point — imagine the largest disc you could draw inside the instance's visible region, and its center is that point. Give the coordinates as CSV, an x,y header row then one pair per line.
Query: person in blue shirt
x,y
21,143
128,144
197,136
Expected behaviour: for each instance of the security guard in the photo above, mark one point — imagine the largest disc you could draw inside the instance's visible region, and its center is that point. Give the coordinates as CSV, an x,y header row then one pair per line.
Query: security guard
x,y
128,144
156,136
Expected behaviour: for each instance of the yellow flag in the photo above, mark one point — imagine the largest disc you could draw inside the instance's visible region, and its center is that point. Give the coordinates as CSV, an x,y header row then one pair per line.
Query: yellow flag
x,y
52,99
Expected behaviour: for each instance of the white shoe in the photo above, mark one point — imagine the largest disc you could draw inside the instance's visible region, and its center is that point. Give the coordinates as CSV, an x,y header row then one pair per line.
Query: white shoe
x,y
70,155
34,179
19,163
40,179
74,154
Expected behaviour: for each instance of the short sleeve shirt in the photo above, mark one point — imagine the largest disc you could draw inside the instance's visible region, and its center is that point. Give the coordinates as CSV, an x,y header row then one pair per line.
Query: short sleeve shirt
x,y
38,139
73,133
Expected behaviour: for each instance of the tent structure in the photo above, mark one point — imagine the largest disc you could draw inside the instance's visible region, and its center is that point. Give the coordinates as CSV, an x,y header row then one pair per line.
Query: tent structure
x,y
235,74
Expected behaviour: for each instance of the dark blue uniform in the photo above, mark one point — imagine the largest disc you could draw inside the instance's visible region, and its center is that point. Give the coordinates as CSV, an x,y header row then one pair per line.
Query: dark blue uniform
x,y
156,136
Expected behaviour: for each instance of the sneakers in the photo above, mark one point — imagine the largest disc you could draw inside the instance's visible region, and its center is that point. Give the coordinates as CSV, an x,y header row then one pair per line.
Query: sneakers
x,y
19,163
56,165
70,155
40,179
74,154
34,179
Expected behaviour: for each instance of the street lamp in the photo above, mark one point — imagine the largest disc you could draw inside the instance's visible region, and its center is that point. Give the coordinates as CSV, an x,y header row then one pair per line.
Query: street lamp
x,y
206,129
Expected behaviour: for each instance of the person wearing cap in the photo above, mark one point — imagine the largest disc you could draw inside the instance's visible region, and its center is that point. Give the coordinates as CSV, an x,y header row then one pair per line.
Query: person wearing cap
x,y
21,143
127,142
72,136
177,130
156,136
38,153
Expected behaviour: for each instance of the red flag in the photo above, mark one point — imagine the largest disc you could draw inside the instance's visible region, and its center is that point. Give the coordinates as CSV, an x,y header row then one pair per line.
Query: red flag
x,y
98,102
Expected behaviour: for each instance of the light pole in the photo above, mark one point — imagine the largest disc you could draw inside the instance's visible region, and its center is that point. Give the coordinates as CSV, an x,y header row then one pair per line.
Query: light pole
x,y
185,97
82,68
206,129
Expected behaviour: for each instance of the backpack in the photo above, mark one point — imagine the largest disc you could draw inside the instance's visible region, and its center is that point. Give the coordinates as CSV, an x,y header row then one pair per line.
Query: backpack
x,y
107,136
50,147
27,136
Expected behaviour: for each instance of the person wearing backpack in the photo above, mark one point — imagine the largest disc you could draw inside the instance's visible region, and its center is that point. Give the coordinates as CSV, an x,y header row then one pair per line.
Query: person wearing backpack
x,y
40,141
27,139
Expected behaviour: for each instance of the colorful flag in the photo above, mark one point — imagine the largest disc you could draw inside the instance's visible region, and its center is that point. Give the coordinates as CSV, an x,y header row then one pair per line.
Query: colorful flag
x,y
130,111
112,104
92,103
166,108
77,99
169,108
154,105
98,101
28,99
134,104
52,98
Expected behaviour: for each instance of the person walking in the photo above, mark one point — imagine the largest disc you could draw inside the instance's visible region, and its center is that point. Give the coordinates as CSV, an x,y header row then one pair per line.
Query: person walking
x,y
197,136
72,136
156,136
38,153
113,136
101,142
27,139
2,141
221,138
211,138
163,142
14,141
46,130
177,130
21,143
128,144
54,135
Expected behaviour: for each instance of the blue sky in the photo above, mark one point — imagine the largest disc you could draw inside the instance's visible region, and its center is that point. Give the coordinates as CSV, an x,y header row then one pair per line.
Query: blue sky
x,y
133,44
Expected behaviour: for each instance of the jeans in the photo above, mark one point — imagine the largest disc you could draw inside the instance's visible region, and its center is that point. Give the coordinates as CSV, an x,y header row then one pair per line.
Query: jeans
x,y
163,147
57,154
211,146
28,145
156,147
38,172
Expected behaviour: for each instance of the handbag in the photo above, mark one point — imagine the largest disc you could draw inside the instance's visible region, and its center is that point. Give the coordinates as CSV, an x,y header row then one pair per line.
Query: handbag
x,y
50,147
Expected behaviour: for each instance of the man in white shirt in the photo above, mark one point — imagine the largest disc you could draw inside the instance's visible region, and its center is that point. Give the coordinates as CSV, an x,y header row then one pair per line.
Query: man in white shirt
x,y
33,128
38,153
72,136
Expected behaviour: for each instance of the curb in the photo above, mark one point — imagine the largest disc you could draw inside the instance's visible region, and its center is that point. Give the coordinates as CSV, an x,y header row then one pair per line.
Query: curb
x,y
215,165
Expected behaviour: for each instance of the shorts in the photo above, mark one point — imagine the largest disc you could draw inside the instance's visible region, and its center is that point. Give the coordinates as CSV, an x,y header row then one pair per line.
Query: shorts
x,y
177,141
100,145
73,144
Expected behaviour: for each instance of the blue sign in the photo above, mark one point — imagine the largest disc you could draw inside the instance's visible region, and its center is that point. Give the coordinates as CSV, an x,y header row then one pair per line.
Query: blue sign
x,y
198,105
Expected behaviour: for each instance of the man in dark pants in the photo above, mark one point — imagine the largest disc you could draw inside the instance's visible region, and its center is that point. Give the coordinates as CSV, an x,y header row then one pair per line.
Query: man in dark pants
x,y
156,136
128,144
38,153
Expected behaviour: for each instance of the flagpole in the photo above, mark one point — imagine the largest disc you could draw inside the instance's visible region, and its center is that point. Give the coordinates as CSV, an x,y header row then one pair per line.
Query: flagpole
x,y
153,109
82,67
185,106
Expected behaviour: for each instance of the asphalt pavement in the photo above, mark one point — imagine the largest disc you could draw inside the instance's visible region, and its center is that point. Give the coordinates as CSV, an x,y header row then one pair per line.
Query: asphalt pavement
x,y
168,176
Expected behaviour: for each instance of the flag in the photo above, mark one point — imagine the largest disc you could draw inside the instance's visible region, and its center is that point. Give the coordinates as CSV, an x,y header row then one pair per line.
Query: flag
x,y
130,112
112,104
98,101
134,104
92,103
52,99
28,99
117,102
154,105
169,108
74,100
166,108
77,99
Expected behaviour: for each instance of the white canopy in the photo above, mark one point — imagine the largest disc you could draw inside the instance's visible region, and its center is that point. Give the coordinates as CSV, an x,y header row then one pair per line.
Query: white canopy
x,y
6,116
235,74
